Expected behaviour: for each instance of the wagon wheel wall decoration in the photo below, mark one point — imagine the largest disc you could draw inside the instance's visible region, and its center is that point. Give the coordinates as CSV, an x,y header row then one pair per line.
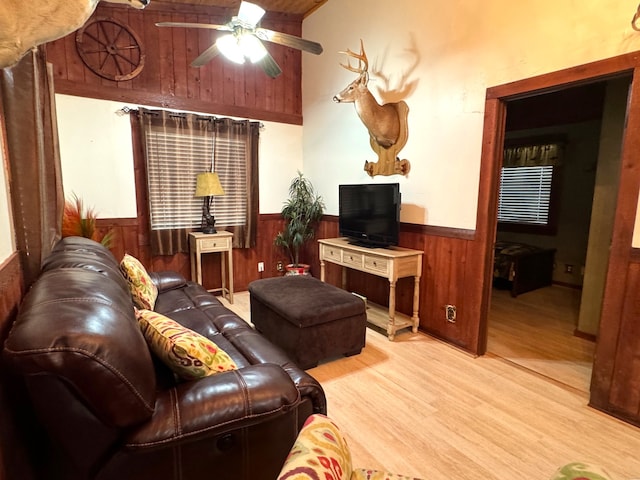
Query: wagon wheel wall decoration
x,y
110,49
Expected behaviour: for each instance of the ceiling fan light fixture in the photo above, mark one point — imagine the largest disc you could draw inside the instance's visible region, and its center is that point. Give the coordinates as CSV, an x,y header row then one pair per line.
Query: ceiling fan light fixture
x,y
250,13
252,48
230,48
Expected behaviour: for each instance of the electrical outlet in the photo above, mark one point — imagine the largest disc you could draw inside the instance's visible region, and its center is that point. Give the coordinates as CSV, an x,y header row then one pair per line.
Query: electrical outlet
x,y
568,268
260,266
280,266
450,313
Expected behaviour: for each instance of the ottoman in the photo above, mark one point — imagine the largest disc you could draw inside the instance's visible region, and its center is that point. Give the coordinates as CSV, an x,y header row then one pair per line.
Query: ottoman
x,y
309,319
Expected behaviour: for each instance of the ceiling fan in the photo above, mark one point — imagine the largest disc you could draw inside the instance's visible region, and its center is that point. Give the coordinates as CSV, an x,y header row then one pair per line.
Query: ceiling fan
x,y
244,42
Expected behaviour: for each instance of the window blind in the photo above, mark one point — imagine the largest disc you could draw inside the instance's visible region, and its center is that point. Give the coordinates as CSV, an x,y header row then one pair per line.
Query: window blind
x,y
231,209
525,194
173,162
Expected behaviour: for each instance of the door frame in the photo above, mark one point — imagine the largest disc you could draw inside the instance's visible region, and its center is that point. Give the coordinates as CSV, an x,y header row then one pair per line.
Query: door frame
x,y
621,252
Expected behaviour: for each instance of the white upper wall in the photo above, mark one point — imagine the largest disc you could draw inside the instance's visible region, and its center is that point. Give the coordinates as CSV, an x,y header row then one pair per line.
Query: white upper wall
x,y
443,56
462,47
97,157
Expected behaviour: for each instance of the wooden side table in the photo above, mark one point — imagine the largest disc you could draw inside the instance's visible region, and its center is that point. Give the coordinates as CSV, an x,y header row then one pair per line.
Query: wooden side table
x,y
391,263
221,242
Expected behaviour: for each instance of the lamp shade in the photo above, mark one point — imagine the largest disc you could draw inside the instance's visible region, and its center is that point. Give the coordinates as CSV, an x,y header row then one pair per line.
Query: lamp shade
x,y
208,184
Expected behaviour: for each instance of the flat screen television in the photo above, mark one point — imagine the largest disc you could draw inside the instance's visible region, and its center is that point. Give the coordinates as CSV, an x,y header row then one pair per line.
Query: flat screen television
x,y
369,214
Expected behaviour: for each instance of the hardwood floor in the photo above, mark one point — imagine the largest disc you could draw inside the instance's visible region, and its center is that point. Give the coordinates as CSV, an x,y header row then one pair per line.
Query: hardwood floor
x,y
535,331
420,407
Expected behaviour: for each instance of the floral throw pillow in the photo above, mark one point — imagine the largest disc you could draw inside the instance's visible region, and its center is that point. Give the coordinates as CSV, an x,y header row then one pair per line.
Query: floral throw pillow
x,y
580,471
187,353
143,290
320,451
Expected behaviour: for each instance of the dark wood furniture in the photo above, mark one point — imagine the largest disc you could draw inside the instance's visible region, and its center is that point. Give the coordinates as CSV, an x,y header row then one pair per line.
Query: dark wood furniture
x,y
522,267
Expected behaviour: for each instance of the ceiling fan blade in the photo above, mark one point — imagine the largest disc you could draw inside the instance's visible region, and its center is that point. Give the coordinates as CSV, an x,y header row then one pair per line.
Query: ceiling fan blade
x,y
269,65
194,25
206,56
289,40
250,13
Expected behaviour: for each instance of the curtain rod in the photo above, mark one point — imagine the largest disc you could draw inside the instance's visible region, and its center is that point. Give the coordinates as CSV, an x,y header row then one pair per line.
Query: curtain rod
x,y
127,110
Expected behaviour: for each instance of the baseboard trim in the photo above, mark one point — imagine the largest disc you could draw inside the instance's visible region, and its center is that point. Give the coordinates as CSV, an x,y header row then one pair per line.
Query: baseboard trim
x,y
568,285
587,336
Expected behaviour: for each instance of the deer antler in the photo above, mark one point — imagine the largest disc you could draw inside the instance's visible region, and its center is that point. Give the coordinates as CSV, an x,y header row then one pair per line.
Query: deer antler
x,y
361,57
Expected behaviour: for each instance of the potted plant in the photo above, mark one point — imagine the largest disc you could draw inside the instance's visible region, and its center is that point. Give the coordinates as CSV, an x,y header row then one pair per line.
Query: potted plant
x,y
301,212
81,222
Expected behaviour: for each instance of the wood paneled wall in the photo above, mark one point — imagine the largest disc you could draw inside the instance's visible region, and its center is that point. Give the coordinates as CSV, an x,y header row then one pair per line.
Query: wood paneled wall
x,y
167,79
15,427
129,237
445,269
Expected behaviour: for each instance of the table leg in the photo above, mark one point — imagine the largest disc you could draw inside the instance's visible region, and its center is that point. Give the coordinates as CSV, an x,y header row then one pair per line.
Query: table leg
x,y
230,255
194,274
391,326
199,267
416,304
223,271
321,270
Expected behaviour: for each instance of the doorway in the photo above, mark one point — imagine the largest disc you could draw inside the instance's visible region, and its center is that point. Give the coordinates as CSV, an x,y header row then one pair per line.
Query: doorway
x,y
551,327
614,376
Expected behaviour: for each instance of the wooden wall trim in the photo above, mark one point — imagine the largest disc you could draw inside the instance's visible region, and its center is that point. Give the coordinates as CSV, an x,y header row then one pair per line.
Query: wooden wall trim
x,y
615,295
480,281
549,82
120,222
430,230
437,231
154,99
634,256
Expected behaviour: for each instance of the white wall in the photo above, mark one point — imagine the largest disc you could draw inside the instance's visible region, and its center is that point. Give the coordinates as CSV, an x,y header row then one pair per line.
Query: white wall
x,y
7,245
97,158
96,155
462,48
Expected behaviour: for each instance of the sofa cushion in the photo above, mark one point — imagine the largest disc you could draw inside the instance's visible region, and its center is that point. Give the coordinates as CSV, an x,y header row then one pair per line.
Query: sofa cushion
x,y
78,328
143,290
187,353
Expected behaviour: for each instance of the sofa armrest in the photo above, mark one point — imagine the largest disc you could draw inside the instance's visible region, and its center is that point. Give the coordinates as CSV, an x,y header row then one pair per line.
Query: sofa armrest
x,y
167,280
215,404
320,451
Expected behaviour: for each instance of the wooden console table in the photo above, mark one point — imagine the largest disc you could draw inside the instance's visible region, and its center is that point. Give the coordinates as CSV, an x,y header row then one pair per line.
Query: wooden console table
x,y
221,241
391,263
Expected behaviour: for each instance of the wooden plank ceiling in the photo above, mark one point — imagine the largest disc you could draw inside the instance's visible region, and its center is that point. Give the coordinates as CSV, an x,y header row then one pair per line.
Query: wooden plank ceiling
x,y
296,7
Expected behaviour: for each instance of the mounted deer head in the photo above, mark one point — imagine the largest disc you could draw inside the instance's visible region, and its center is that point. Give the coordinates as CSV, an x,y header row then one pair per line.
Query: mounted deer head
x,y
387,124
25,25
381,120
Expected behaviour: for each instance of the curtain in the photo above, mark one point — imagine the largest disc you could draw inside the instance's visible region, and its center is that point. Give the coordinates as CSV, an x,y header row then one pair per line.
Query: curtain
x,y
533,155
35,182
184,136
244,236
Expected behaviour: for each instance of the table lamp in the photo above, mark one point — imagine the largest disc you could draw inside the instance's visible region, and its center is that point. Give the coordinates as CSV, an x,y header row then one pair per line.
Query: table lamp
x,y
208,185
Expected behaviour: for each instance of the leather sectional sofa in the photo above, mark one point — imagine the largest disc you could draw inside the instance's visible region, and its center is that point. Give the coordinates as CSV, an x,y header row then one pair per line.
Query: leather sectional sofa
x,y
112,410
